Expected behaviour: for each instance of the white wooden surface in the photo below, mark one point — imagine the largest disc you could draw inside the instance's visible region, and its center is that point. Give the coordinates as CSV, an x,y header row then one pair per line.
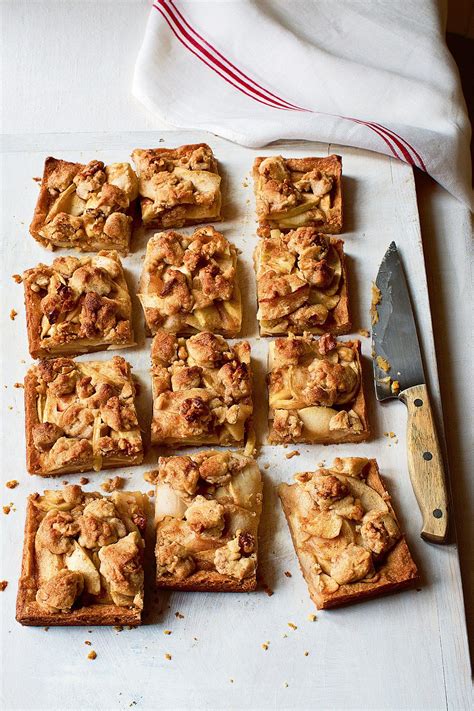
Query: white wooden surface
x,y
404,651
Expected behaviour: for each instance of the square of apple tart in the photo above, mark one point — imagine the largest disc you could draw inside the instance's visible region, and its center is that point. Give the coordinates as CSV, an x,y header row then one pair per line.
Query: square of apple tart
x,y
315,391
346,533
82,558
207,511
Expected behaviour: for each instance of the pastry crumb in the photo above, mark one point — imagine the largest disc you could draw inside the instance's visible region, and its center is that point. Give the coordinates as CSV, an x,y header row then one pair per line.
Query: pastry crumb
x,y
306,654
294,453
376,299
167,632
288,574
12,484
118,628
83,480
292,625
46,629
3,585
6,510
168,656
88,642
151,477
383,364
17,278
231,681
312,617
265,646
179,615
395,387
285,684
150,493
266,466
92,655
363,332
13,314
113,484
18,385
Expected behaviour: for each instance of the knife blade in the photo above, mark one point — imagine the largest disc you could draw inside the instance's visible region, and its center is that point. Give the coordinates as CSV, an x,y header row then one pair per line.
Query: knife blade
x,y
398,372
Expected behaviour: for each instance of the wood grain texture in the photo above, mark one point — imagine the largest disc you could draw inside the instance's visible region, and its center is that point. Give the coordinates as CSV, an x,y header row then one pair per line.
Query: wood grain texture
x,y
425,464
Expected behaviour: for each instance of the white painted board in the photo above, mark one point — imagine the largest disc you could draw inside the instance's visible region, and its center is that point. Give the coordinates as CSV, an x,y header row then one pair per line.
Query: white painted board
x,y
404,651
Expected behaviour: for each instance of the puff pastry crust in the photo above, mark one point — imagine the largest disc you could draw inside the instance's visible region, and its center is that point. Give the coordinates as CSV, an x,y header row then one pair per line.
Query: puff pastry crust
x,y
82,559
207,512
202,390
346,533
298,192
85,207
189,283
315,391
178,186
80,416
301,283
77,306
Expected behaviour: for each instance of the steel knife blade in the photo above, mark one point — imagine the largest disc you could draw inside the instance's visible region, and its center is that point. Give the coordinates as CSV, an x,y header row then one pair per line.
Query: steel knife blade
x,y
398,372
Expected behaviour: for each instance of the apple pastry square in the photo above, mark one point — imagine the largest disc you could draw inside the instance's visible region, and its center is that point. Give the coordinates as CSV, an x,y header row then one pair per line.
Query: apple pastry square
x,y
80,416
301,283
202,391
315,391
77,306
346,533
207,511
298,192
178,186
189,284
82,559
85,207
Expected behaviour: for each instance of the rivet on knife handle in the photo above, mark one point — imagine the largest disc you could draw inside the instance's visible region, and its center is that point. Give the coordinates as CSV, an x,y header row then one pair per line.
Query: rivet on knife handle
x,y
425,464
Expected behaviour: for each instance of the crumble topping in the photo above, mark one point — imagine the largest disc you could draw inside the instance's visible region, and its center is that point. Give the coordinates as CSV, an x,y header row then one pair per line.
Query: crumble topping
x,y
292,192
189,283
81,416
178,186
343,528
88,549
76,305
207,513
202,393
301,283
315,390
87,207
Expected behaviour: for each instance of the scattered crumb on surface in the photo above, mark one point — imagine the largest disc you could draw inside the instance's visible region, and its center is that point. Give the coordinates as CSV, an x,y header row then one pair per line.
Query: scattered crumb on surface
x,y
266,466
306,654
113,484
292,625
13,314
17,278
265,646
268,590
285,684
294,453
392,435
88,642
151,477
168,656
37,180
83,480
18,385
167,632
231,681
321,463
3,585
284,635
6,510
395,387
312,617
150,493
10,407
179,615
92,655
363,332
288,574
383,364
118,628
46,629
12,484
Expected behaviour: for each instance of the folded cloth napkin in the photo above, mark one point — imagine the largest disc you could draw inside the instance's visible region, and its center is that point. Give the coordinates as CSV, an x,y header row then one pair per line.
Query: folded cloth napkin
x,y
369,73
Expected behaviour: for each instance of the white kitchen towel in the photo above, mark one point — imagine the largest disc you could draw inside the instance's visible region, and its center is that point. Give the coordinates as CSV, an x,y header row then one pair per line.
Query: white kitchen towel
x,y
370,73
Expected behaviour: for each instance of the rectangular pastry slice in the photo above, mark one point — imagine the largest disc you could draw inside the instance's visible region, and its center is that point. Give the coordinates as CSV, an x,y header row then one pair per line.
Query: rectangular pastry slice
x,y
77,306
82,559
189,283
80,416
315,391
86,207
346,534
202,390
298,192
207,511
178,186
301,283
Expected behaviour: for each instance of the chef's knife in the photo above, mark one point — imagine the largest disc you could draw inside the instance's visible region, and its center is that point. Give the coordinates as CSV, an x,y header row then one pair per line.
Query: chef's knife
x,y
398,372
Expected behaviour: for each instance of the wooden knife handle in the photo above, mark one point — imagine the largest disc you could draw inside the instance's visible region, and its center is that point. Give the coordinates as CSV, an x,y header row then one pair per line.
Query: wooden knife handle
x,y
425,464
